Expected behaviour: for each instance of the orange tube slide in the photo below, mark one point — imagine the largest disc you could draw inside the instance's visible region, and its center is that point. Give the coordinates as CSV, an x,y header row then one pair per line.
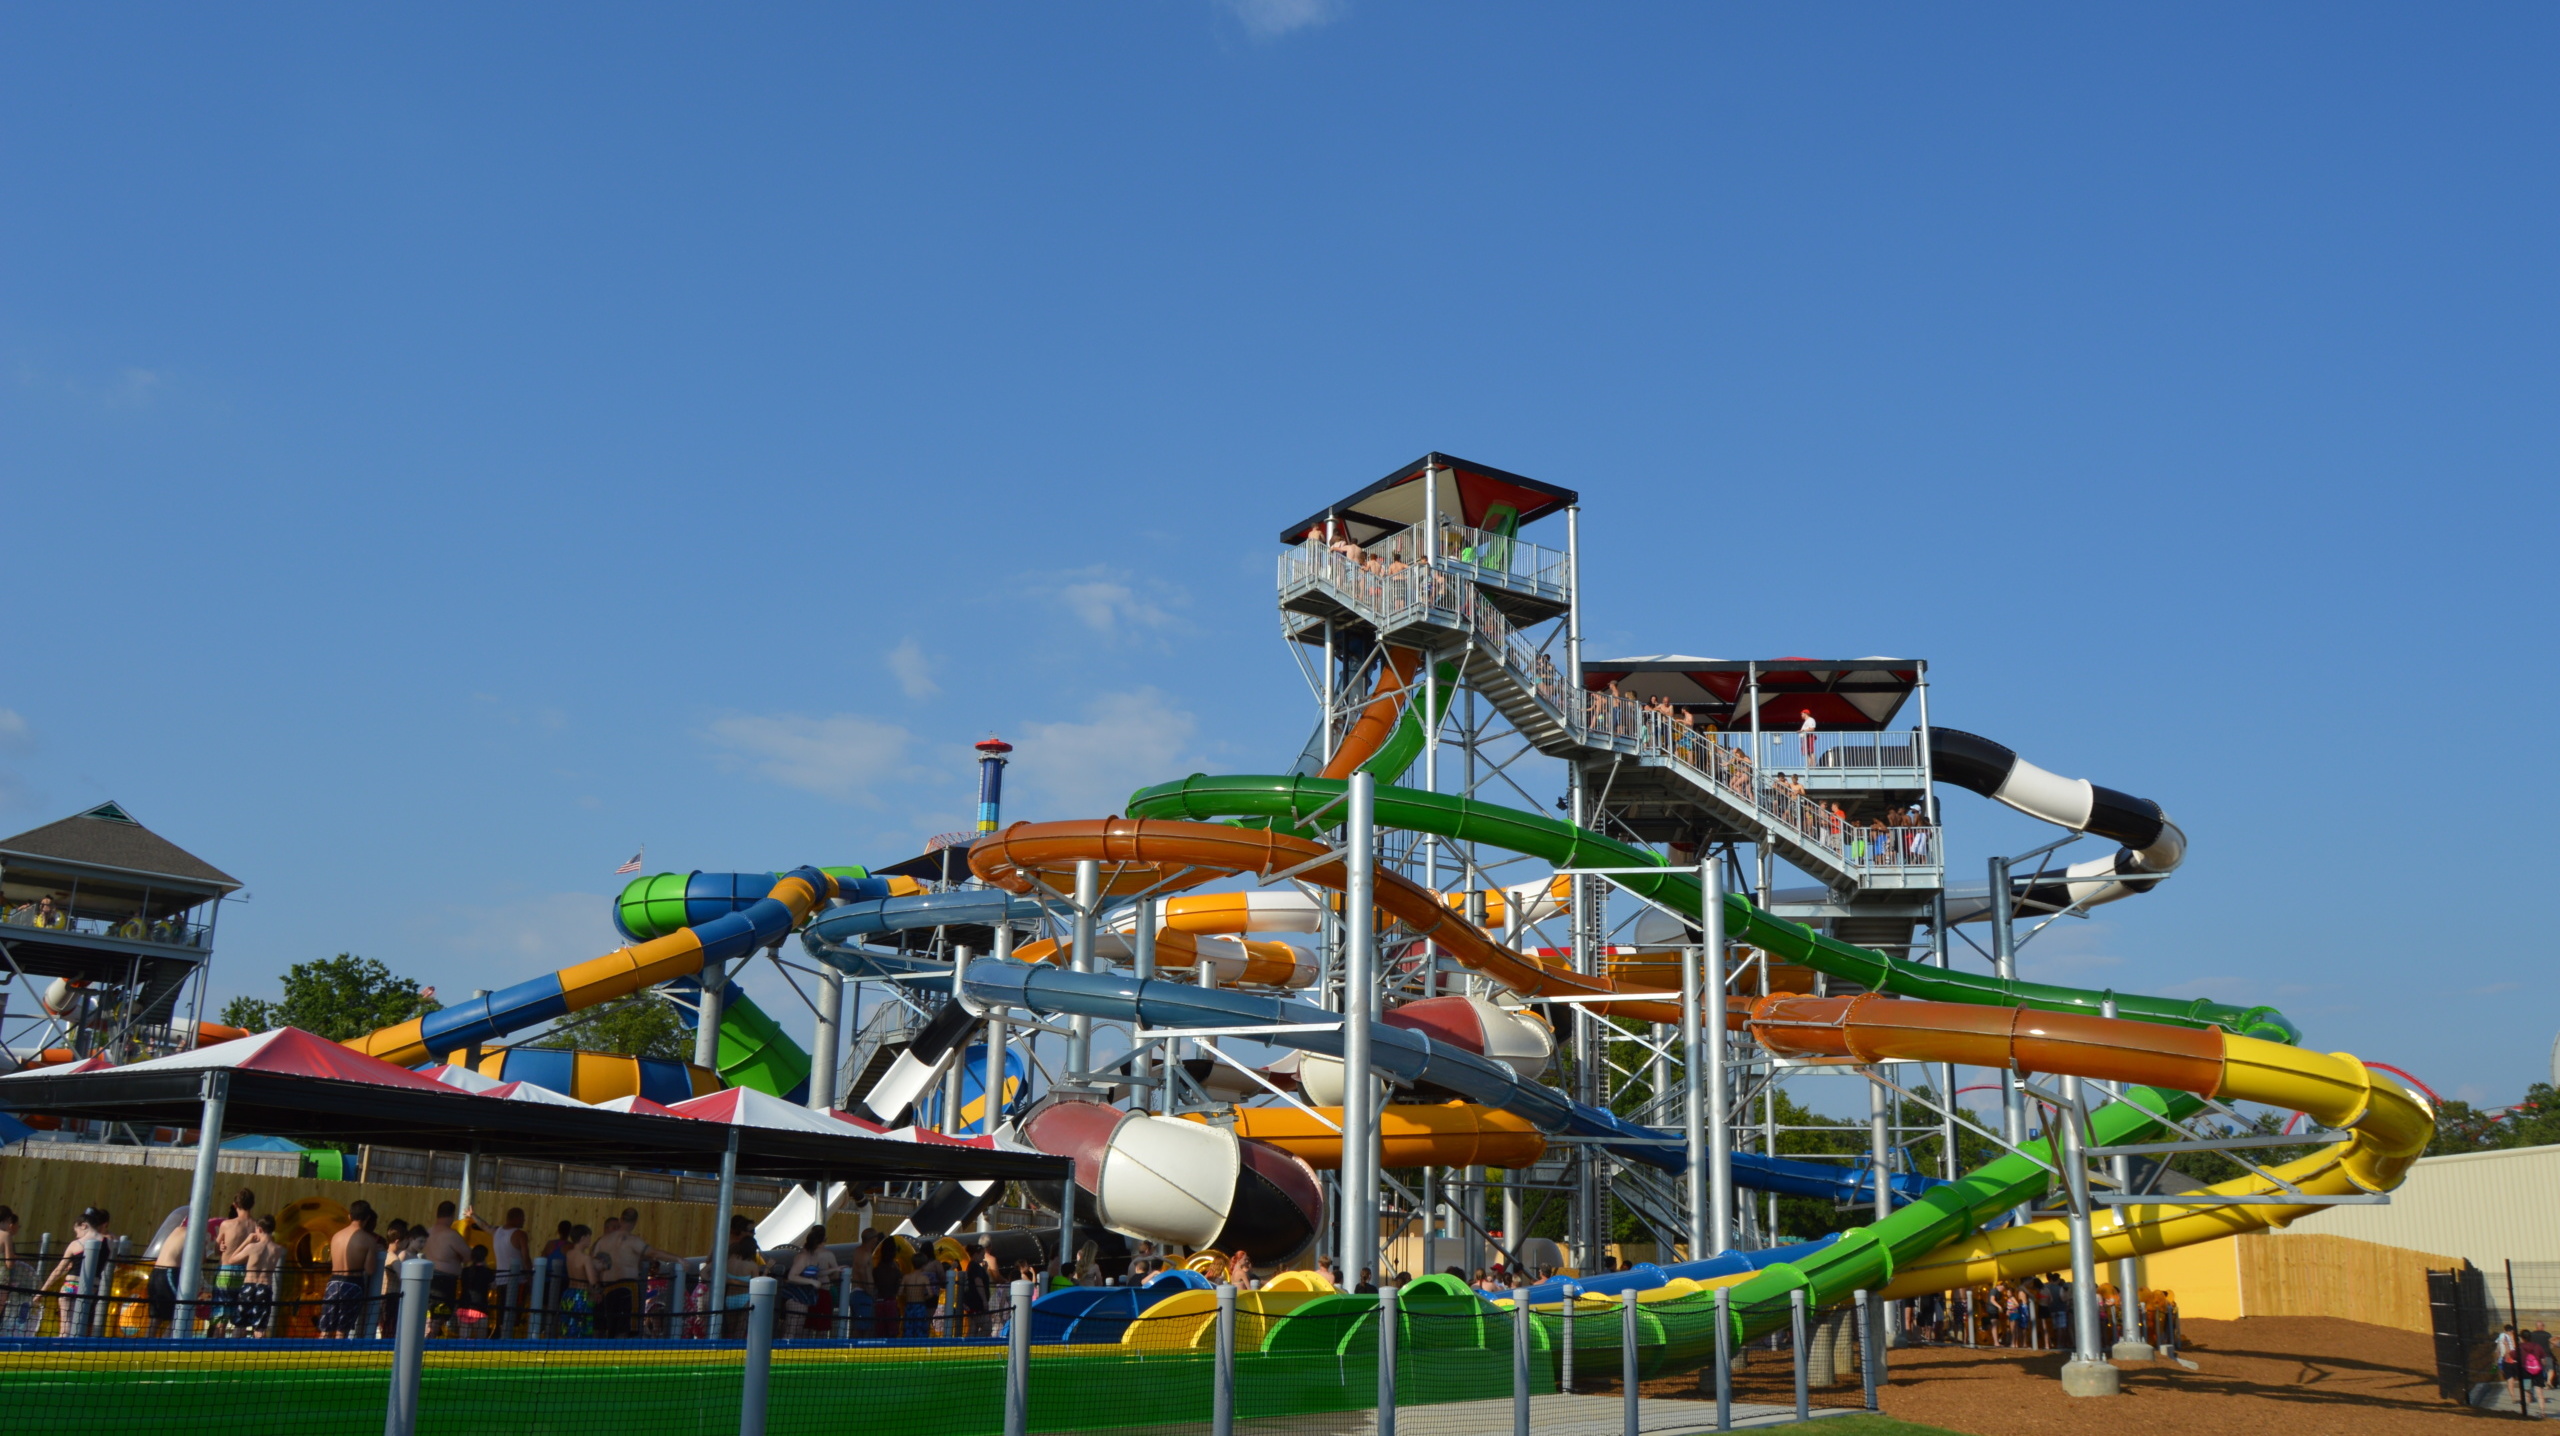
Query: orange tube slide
x,y
1266,964
1377,721
1452,1134
1170,853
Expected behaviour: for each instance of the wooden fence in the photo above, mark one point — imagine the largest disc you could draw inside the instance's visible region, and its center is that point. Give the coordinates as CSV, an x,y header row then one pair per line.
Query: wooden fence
x,y
2299,1274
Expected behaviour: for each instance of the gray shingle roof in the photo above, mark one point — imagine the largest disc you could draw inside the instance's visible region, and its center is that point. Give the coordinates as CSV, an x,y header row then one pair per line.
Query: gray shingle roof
x,y
108,837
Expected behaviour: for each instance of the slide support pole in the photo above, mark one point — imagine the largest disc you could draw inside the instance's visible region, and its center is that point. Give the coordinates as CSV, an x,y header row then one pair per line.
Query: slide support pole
x,y
823,1041
1359,1001
706,1015
715,1272
957,1077
1080,1026
1142,961
1880,1152
217,1094
2086,1373
1708,1114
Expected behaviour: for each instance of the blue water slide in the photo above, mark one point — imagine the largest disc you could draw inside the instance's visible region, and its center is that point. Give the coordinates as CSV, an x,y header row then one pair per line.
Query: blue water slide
x,y
834,937
1103,1313
1406,1055
760,923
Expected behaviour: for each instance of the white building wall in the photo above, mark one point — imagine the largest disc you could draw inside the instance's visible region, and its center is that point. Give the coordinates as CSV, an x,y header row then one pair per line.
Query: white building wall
x,y
2491,1207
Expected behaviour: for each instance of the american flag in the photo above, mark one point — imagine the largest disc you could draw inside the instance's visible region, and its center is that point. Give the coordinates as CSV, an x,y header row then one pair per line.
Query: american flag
x,y
633,866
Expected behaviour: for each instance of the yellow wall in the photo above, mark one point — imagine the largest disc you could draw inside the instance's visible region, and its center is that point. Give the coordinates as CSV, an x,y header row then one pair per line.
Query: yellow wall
x,y
2205,1279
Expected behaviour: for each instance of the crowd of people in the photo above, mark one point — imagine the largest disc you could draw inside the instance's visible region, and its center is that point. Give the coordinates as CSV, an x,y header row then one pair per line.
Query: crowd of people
x,y
484,1282
2033,1313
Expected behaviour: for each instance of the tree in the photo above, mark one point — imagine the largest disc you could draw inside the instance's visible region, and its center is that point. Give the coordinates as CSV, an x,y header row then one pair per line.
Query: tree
x,y
639,1026
338,998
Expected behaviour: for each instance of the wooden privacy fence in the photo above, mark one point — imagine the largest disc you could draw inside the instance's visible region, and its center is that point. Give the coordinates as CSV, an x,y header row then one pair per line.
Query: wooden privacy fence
x,y
2299,1274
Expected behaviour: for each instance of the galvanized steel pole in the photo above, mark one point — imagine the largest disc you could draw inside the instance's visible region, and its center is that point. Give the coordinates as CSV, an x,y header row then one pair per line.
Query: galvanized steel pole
x,y
1359,1000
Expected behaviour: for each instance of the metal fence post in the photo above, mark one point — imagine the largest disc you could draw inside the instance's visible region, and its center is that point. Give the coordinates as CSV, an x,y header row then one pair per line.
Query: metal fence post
x,y
1870,1349
534,1313
1222,1386
1724,1358
1628,1326
1017,1364
1564,1369
842,1326
1804,1393
756,1381
1520,1320
1390,1318
408,1352
94,1267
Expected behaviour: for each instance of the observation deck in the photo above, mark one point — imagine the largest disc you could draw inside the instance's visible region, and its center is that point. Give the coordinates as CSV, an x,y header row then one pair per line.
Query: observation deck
x,y
1834,803
123,914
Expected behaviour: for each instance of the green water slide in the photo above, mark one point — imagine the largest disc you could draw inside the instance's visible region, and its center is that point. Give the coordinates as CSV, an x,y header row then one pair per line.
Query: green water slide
x,y
755,1052
1291,801
1864,1258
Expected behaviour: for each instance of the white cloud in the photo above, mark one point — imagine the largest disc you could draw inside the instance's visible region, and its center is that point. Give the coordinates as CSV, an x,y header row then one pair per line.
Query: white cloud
x,y
1271,19
913,670
15,733
1109,601
841,756
1088,769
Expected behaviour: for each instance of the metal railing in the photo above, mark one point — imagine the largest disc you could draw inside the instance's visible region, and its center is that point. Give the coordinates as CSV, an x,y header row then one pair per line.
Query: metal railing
x,y
168,932
1846,753
1383,572
1724,760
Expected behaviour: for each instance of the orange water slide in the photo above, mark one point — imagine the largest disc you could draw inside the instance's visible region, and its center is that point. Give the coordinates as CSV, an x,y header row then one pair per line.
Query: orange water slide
x,y
1168,854
1377,720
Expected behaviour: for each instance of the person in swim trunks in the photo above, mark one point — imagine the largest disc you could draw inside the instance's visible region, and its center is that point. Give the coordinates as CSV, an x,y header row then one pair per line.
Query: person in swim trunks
x,y
260,1263
351,1254
231,1243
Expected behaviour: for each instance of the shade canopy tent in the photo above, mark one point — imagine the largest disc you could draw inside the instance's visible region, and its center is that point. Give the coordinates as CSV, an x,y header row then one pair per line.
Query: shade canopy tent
x,y
289,1083
1477,495
1843,694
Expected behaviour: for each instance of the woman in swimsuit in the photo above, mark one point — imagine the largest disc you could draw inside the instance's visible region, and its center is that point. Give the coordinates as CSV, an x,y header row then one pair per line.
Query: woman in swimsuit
x,y
89,1233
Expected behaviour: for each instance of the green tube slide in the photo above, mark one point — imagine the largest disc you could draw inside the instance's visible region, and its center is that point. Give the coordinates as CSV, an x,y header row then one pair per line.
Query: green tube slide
x,y
1864,1258
1292,800
754,1050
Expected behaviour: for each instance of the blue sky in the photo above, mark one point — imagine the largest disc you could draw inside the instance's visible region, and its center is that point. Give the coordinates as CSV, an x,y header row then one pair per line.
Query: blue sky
x,y
441,450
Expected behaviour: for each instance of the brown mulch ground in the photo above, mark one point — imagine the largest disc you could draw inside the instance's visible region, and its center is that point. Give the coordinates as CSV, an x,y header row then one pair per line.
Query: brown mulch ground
x,y
2266,1376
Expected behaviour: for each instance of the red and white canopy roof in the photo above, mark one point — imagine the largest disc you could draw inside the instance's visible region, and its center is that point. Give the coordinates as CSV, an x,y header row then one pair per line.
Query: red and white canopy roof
x,y
462,1077
639,1104
1477,495
531,1092
287,1050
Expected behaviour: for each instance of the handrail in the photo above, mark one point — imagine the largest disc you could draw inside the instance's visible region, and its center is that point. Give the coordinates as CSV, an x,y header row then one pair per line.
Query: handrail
x,y
1387,588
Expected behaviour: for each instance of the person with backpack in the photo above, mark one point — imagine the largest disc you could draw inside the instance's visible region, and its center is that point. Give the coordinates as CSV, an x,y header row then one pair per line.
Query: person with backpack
x,y
2534,1362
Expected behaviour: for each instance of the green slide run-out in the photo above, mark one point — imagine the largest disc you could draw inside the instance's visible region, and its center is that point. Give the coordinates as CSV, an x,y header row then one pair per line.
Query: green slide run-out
x,y
1865,1257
